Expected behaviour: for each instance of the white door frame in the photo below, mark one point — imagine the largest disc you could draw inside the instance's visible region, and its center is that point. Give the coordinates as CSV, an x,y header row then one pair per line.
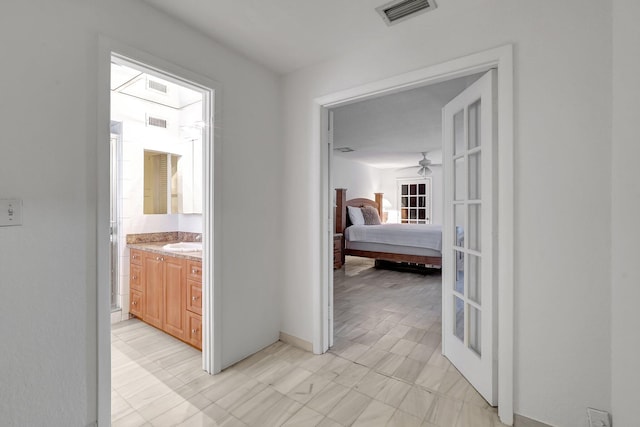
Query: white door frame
x,y
502,59
212,202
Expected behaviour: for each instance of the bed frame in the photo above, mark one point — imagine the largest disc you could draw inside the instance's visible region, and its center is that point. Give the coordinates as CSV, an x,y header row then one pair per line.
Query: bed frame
x,y
342,222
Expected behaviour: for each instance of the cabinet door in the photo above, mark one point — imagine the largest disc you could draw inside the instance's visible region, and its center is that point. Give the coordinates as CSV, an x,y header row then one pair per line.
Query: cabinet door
x,y
194,296
194,330
153,278
174,297
135,277
136,303
194,270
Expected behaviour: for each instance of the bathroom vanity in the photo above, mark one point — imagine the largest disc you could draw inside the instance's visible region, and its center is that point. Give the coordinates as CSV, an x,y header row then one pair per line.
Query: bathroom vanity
x,y
166,290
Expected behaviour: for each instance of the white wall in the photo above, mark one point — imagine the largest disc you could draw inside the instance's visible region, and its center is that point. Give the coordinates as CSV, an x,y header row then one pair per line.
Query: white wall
x,y
625,197
48,157
562,235
359,179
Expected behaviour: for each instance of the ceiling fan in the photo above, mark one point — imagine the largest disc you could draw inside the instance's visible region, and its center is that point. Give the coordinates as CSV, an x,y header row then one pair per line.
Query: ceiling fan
x,y
423,165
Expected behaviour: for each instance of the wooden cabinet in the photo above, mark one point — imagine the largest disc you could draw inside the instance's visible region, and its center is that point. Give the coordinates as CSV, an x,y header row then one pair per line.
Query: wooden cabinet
x,y
194,331
166,292
194,303
152,264
173,315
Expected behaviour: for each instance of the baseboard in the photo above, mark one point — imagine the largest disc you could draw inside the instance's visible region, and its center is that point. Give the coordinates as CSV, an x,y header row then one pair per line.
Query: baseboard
x,y
296,342
521,421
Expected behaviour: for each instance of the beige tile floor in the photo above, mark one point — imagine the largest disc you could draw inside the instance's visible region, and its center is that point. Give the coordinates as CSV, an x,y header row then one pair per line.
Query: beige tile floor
x,y
384,370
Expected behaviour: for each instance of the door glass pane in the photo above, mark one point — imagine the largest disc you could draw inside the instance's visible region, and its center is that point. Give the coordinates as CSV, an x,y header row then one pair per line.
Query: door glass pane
x,y
405,189
474,278
459,262
474,175
458,132
474,124
458,219
458,178
404,201
473,229
413,189
458,322
474,329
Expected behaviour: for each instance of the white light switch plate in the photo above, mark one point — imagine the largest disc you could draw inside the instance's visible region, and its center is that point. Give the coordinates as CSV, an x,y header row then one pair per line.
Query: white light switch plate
x,y
598,418
10,212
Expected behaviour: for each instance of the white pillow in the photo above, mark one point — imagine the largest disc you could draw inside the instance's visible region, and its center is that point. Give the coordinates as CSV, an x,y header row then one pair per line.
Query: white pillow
x,y
355,215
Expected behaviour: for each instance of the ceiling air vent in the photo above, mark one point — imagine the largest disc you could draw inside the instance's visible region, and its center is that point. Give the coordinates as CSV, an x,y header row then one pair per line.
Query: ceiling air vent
x,y
157,86
399,10
157,122
344,149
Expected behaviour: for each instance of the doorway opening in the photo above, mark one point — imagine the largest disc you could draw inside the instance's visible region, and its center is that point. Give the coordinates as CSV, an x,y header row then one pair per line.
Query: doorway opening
x,y
501,59
387,298
160,244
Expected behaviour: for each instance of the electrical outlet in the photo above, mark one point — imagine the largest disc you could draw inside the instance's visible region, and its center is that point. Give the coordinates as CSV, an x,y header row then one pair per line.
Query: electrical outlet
x,y
598,418
10,212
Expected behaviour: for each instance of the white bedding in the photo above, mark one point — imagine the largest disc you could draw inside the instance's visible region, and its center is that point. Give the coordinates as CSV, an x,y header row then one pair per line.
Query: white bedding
x,y
427,236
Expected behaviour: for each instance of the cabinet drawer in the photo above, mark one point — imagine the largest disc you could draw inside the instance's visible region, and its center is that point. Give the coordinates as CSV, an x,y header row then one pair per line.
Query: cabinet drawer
x,y
194,330
194,296
135,303
135,277
194,270
136,257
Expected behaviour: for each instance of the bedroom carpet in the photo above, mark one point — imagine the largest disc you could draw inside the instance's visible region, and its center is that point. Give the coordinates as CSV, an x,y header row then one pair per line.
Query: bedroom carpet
x,y
385,369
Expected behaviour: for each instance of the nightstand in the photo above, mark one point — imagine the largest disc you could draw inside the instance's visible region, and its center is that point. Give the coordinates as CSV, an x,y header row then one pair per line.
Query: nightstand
x,y
338,259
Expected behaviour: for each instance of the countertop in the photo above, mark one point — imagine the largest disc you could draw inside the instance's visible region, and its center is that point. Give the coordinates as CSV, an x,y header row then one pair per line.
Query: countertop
x,y
156,247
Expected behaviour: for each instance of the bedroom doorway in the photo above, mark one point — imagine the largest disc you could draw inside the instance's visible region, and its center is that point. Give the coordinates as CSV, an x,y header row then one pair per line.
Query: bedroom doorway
x,y
500,59
159,177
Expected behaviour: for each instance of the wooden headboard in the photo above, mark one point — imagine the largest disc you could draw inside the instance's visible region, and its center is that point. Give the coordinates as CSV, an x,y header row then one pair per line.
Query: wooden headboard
x,y
341,215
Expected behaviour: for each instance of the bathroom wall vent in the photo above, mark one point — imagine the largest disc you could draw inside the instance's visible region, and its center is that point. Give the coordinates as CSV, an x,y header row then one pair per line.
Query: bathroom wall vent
x,y
157,122
157,86
399,10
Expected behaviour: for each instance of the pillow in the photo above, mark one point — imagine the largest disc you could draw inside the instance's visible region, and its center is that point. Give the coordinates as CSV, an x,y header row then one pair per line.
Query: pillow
x,y
370,215
355,215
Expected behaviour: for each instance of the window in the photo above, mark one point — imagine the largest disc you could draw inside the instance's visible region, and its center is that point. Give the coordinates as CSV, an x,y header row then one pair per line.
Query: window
x,y
415,201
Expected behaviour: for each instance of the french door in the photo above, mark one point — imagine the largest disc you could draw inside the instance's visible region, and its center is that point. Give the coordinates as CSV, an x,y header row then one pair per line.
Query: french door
x,y
469,275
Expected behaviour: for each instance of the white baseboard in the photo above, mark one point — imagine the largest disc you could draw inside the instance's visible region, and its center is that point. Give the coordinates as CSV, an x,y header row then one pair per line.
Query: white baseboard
x,y
296,342
521,421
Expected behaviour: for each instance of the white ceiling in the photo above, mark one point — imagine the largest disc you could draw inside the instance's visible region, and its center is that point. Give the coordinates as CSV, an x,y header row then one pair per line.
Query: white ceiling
x,y
134,83
391,131
286,35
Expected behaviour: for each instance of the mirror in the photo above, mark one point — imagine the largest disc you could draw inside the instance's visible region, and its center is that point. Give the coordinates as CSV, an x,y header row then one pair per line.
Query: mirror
x,y
173,182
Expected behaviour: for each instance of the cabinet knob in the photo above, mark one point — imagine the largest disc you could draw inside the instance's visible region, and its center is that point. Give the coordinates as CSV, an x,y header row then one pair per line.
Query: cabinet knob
x,y
193,331
134,303
195,298
194,271
134,277
159,258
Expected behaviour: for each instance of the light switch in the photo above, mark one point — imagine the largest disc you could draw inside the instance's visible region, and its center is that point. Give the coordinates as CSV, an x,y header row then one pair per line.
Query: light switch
x,y
10,212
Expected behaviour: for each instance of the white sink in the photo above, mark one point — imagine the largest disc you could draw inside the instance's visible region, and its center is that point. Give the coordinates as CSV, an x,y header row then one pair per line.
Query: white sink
x,y
183,247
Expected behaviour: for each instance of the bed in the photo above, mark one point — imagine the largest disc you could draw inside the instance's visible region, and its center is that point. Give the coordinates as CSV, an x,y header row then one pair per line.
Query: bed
x,y
406,243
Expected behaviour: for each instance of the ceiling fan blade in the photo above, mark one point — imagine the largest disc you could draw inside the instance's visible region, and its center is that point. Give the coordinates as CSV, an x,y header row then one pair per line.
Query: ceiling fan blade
x,y
407,168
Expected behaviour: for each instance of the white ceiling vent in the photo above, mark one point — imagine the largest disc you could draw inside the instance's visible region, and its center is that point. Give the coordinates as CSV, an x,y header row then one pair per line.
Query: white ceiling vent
x,y
344,149
157,86
399,10
157,122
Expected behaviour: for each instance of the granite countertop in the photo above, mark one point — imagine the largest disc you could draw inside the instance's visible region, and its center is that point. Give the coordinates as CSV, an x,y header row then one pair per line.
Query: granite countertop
x,y
156,247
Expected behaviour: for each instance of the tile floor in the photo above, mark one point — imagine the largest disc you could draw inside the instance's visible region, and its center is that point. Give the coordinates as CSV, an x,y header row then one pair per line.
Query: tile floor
x,y
384,370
